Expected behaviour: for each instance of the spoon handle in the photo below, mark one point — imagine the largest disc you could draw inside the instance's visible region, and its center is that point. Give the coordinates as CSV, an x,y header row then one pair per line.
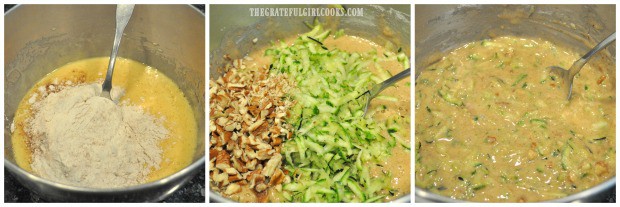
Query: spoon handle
x,y
600,46
123,13
576,67
380,87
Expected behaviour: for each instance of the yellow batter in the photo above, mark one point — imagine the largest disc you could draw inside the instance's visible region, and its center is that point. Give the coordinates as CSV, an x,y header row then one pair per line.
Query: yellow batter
x,y
145,87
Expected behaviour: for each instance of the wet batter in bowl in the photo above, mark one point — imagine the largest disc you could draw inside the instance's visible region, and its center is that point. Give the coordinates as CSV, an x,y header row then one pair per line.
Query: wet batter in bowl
x,y
63,131
492,124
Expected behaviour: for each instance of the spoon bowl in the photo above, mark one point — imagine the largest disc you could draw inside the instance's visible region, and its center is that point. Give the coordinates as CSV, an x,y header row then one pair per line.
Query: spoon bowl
x,y
567,76
377,88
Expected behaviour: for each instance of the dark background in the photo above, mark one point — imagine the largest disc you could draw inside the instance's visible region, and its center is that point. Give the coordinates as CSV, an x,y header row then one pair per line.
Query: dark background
x,y
192,192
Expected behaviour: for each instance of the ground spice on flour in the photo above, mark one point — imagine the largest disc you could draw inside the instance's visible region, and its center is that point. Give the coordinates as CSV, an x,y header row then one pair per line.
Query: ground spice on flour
x,y
82,139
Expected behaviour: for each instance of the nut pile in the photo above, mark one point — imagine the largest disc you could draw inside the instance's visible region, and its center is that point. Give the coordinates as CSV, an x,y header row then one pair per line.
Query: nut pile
x,y
247,126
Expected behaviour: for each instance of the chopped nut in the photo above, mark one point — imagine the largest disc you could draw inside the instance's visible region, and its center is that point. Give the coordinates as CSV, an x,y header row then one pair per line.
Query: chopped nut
x,y
251,165
227,136
250,154
234,178
255,124
272,164
230,171
232,189
264,113
213,153
253,141
230,128
260,187
276,141
243,110
268,105
264,154
222,121
234,136
255,177
237,153
222,160
212,126
234,85
262,146
247,127
238,165
219,177
276,178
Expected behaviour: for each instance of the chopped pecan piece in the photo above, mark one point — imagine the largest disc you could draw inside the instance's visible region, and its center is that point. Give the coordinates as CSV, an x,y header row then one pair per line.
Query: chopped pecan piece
x,y
276,178
222,160
233,188
272,164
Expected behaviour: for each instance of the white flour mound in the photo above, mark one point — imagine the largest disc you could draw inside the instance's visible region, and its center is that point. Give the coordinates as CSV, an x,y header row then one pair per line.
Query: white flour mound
x,y
82,139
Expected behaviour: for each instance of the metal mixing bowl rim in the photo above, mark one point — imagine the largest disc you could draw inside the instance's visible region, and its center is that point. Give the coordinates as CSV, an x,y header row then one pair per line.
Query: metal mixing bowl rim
x,y
13,168
18,5
433,197
177,175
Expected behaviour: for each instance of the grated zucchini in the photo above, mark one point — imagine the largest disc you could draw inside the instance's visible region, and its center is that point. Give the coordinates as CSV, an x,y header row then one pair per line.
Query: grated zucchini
x,y
334,140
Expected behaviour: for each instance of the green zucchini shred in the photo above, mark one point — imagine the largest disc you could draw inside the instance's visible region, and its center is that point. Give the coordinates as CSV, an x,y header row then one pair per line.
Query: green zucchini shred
x,y
445,95
328,154
519,79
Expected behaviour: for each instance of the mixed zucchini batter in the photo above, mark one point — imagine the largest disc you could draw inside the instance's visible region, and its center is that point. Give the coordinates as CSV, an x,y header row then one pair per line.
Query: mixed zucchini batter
x,y
492,123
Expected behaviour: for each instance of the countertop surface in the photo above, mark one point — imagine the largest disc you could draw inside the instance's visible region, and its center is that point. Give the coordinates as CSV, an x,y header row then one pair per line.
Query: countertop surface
x,y
192,192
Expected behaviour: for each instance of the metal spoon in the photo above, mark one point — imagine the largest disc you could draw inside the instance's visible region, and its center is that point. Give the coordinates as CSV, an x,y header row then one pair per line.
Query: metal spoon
x,y
377,88
567,76
123,13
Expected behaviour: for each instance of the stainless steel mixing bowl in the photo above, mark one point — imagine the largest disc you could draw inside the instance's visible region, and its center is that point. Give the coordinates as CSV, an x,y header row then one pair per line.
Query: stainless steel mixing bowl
x,y
440,28
232,29
40,38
